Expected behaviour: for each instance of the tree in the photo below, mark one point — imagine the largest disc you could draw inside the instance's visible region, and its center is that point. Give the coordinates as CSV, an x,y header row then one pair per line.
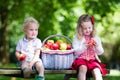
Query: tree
x,y
12,15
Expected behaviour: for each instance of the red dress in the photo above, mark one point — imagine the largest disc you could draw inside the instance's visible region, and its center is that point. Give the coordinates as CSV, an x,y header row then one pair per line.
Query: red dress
x,y
87,58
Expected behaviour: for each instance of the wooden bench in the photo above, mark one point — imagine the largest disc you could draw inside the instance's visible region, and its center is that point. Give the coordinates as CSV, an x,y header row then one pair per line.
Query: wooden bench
x,y
17,72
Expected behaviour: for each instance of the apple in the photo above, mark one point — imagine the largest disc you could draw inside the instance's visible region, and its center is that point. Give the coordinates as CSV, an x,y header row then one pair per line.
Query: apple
x,y
22,57
92,42
58,43
51,41
55,46
46,47
63,46
49,45
69,46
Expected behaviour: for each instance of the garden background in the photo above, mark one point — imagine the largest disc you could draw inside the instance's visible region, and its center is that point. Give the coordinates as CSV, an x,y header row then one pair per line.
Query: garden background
x,y
59,17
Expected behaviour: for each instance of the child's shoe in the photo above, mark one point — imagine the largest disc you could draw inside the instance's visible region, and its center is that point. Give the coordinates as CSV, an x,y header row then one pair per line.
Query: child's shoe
x,y
27,72
40,78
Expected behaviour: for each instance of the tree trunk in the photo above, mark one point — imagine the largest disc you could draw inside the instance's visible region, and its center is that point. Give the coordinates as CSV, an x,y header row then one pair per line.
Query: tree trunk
x,y
4,45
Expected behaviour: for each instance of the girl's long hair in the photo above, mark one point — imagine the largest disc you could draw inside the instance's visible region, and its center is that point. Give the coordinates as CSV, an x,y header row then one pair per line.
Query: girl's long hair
x,y
83,18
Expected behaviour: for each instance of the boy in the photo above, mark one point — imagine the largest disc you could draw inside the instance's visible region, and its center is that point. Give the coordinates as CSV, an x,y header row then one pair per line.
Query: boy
x,y
30,47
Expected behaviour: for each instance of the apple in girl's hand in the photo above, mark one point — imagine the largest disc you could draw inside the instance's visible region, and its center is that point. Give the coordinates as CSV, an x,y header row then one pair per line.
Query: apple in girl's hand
x,y
92,42
55,46
22,57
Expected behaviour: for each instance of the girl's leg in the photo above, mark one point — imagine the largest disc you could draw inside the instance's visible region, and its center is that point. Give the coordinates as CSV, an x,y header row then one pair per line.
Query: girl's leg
x,y
82,72
97,74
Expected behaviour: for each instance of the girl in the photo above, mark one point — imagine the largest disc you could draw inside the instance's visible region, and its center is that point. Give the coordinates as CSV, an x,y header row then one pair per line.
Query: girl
x,y
30,46
87,46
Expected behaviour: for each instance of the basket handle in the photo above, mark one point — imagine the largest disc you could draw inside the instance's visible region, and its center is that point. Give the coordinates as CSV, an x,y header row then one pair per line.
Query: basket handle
x,y
58,36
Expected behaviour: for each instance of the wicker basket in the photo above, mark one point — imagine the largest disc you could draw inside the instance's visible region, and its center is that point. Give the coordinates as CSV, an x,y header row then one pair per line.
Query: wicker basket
x,y
57,59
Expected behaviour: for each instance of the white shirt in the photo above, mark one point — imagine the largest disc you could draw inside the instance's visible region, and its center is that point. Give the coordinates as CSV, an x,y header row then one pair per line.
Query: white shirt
x,y
28,47
79,46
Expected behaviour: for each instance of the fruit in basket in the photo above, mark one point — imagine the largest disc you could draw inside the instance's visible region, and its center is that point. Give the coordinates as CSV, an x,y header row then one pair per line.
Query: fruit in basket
x,y
46,47
59,42
58,45
49,44
55,46
63,46
22,57
69,46
50,41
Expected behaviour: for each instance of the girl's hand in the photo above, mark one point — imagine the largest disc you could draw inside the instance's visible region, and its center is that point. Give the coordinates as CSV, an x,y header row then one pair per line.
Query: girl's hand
x,y
92,43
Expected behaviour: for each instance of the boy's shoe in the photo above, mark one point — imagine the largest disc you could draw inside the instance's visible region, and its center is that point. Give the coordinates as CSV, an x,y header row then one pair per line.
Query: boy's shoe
x,y
40,78
27,72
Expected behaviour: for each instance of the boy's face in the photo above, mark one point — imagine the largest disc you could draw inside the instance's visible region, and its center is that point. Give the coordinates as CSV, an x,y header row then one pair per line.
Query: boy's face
x,y
31,31
87,28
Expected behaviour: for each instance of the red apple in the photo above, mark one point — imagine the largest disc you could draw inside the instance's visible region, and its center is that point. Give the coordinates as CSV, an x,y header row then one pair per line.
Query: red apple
x,y
69,46
58,43
46,47
49,45
55,46
22,57
92,42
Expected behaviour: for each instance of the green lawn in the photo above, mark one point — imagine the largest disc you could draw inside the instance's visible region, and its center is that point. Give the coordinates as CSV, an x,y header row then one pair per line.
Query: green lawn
x,y
114,75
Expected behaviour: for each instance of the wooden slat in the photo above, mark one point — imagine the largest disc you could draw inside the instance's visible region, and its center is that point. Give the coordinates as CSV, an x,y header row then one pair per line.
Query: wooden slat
x,y
60,71
6,71
17,72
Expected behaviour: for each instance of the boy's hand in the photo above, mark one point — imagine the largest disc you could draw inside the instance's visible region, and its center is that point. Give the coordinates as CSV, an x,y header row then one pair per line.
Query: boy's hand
x,y
22,57
31,64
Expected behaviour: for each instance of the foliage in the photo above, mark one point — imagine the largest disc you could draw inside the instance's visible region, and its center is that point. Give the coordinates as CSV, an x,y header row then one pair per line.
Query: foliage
x,y
60,17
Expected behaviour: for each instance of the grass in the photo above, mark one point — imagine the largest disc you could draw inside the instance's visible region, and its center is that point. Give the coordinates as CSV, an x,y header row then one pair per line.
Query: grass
x,y
114,75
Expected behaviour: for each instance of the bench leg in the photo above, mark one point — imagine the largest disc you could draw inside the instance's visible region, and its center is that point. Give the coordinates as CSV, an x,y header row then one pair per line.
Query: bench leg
x,y
66,77
87,78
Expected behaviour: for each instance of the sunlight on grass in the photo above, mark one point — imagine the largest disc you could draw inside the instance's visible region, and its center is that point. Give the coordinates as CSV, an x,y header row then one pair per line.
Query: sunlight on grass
x,y
114,72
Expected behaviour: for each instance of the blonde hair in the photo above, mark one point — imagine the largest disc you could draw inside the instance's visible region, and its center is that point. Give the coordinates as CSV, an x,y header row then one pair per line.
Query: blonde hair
x,y
83,18
28,22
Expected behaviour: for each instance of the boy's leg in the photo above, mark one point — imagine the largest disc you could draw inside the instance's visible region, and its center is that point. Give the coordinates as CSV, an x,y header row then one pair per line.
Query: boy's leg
x,y
40,70
26,69
97,74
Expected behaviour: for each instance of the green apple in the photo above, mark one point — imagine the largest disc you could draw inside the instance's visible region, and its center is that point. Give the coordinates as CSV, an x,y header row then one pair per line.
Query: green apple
x,y
50,41
63,46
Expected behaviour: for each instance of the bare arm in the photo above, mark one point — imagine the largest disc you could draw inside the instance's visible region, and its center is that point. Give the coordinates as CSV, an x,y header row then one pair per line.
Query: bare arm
x,y
36,56
17,54
97,58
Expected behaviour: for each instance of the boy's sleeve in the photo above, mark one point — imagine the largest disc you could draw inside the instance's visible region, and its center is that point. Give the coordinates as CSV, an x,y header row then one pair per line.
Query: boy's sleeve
x,y
18,47
39,44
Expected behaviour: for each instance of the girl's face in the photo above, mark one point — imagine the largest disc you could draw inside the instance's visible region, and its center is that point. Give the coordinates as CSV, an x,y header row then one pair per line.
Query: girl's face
x,y
31,31
87,28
